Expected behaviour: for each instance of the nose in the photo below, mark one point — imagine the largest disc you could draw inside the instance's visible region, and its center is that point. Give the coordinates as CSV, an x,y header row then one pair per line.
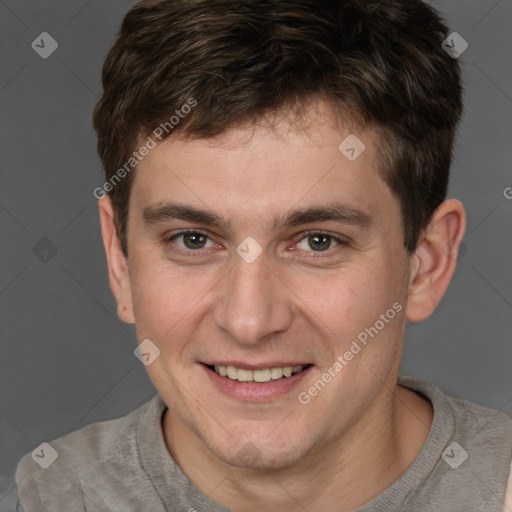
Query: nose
x,y
253,303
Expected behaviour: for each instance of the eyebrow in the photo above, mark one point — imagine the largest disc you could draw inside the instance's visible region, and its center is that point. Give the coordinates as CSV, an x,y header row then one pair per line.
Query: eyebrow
x,y
335,212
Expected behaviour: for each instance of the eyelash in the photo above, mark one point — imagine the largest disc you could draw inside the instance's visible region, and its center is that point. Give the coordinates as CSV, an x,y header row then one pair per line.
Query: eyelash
x,y
197,253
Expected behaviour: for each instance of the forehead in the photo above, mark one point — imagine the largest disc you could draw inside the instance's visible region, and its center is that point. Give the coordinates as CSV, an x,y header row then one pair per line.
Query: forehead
x,y
261,172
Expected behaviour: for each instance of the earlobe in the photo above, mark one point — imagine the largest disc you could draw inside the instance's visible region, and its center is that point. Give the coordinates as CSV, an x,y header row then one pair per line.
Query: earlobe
x,y
117,263
434,261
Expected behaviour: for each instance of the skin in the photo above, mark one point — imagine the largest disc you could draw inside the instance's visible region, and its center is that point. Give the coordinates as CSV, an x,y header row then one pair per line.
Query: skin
x,y
362,431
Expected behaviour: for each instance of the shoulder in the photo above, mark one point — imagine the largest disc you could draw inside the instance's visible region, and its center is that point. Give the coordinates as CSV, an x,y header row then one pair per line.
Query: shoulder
x,y
81,464
483,424
472,439
467,416
88,445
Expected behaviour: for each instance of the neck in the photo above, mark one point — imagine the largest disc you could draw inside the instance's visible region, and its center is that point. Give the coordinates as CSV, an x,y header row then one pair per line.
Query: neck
x,y
342,474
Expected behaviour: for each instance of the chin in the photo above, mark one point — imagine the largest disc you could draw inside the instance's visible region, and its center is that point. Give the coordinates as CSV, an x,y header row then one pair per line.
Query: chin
x,y
259,456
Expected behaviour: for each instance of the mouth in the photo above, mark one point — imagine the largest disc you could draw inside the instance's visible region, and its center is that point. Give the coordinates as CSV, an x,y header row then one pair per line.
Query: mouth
x,y
265,383
261,375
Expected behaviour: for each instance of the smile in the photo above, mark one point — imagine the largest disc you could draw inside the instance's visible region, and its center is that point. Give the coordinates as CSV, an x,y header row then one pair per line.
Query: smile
x,y
261,375
265,382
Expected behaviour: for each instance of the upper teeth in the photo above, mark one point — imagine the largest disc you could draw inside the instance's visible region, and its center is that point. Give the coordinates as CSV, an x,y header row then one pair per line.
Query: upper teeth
x,y
265,375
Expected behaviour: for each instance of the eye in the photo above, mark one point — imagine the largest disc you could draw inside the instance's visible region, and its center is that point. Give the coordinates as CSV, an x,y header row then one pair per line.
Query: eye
x,y
191,240
319,242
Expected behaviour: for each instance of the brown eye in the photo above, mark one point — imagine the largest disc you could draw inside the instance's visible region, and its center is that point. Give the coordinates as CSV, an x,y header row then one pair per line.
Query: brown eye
x,y
191,240
318,242
194,240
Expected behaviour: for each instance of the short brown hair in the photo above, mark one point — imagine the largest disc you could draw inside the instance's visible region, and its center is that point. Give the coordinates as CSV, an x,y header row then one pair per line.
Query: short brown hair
x,y
382,61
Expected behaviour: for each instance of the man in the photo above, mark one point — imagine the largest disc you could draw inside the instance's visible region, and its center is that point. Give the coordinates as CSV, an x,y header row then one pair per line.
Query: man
x,y
274,211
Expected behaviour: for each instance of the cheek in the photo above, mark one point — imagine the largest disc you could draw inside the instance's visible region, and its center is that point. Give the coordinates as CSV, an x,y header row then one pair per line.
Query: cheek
x,y
166,300
347,297
351,301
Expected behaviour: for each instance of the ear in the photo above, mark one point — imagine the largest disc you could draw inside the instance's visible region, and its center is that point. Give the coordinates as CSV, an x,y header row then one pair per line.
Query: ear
x,y
117,263
433,263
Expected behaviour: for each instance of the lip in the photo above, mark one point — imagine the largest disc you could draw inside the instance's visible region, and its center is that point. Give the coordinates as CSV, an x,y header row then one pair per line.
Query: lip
x,y
256,391
260,366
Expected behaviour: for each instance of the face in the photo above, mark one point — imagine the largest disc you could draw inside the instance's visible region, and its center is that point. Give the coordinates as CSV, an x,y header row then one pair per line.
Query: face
x,y
268,249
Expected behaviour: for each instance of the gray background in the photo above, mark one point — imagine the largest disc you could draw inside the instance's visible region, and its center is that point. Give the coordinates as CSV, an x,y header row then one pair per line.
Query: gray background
x,y
66,360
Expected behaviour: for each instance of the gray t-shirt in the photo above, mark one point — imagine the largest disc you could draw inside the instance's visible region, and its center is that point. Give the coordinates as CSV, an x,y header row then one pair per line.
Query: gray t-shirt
x,y
123,465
